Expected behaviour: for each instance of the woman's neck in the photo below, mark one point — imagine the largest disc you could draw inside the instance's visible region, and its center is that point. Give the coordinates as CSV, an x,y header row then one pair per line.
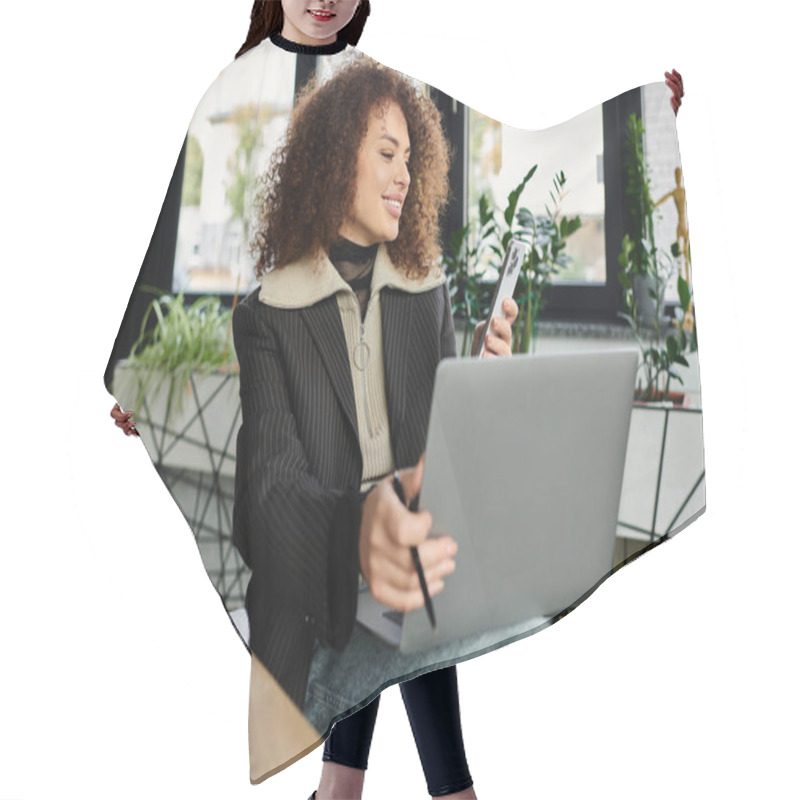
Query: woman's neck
x,y
351,259
355,262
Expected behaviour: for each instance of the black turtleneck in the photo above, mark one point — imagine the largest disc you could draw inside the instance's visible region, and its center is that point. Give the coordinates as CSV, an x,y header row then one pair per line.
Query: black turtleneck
x,y
355,262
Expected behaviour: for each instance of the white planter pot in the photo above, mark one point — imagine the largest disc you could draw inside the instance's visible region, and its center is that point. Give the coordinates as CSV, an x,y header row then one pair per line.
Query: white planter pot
x,y
201,436
663,486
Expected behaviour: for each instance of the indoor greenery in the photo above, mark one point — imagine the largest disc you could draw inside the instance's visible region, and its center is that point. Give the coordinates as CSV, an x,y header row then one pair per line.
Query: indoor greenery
x,y
645,271
177,340
467,262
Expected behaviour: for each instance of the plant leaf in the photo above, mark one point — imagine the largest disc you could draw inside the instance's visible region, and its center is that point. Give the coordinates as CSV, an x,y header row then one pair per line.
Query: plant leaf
x,y
684,293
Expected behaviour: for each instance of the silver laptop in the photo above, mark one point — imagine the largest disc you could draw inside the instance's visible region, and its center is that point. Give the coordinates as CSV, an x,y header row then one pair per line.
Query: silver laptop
x,y
523,468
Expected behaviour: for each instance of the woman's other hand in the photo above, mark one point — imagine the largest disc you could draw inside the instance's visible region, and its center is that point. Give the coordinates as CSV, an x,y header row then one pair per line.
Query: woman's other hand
x,y
124,420
498,340
388,532
675,83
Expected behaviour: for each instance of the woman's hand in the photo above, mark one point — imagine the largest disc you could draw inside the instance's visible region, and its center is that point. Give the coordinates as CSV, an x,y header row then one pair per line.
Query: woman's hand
x,y
675,83
124,420
498,340
388,532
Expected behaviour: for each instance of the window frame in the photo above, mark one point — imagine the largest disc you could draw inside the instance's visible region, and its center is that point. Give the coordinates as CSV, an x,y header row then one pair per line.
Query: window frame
x,y
578,302
158,266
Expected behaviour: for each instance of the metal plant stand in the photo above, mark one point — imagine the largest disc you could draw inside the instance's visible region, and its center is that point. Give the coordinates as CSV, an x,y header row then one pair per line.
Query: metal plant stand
x,y
687,485
194,453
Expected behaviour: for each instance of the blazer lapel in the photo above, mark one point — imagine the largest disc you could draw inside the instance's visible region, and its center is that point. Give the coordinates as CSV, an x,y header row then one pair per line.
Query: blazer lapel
x,y
324,323
397,314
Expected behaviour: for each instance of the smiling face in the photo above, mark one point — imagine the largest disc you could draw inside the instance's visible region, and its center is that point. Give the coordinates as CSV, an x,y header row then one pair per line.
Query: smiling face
x,y
382,179
315,22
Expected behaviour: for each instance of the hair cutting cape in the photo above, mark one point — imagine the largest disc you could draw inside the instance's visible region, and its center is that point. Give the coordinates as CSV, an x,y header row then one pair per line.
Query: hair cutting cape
x,y
227,404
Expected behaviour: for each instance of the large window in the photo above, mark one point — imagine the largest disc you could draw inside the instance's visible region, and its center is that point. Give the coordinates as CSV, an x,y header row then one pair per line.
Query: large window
x,y
200,244
499,156
234,130
491,157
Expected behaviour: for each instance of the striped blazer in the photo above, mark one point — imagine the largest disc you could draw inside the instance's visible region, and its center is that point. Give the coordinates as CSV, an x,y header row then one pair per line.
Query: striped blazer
x,y
297,505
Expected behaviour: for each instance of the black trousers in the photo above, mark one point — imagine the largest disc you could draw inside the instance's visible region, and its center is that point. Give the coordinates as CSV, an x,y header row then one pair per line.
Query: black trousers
x,y
432,706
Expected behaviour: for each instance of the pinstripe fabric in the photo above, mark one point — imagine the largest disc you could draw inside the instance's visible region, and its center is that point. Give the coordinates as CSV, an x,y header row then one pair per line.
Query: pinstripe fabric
x,y
297,505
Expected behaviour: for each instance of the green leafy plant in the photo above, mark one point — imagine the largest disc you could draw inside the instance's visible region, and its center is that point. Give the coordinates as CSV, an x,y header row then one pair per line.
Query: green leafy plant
x,y
548,236
467,264
645,271
640,250
463,261
183,340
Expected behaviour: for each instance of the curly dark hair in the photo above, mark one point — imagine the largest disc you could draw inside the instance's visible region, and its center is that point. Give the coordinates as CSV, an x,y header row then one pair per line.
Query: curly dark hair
x,y
266,18
310,184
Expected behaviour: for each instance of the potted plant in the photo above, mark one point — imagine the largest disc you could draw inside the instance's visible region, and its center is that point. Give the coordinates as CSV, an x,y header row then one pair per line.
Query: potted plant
x,y
467,263
663,484
181,379
645,271
463,264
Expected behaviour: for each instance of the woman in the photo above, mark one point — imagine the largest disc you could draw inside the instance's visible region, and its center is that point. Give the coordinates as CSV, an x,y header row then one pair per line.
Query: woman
x,y
338,351
309,443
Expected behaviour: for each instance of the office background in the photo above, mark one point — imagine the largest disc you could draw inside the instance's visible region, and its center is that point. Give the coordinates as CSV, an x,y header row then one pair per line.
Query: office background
x,y
675,679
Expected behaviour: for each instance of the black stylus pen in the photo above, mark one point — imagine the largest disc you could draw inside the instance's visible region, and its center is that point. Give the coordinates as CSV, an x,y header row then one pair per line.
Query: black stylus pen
x,y
414,505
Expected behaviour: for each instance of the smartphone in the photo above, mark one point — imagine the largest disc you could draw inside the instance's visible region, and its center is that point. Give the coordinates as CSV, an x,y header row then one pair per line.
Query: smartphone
x,y
512,263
